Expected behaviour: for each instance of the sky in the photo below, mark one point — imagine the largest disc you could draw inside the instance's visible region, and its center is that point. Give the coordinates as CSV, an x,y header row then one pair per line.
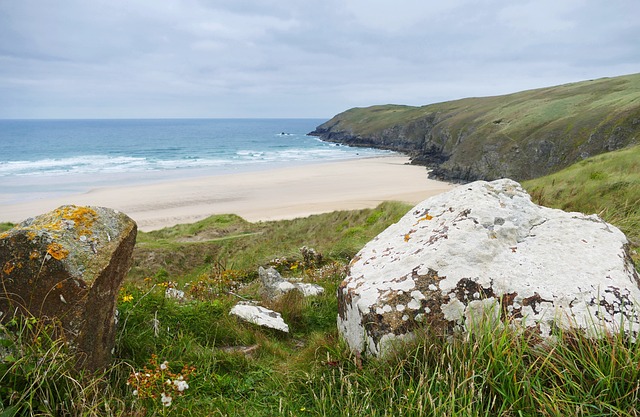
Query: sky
x,y
297,58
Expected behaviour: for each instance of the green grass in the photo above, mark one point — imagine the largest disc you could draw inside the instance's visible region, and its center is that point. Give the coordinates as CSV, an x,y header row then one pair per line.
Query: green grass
x,y
185,252
238,369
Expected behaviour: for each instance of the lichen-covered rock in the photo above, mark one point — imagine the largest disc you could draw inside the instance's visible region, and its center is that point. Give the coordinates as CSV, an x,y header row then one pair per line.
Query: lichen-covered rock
x,y
274,286
485,247
68,265
260,316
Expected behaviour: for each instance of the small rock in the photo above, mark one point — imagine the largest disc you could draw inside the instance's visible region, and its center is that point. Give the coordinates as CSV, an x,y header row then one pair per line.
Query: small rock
x,y
260,316
247,351
174,293
274,286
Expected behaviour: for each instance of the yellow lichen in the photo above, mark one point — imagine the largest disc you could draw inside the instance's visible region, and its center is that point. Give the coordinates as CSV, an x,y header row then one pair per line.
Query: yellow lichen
x,y
3,235
57,251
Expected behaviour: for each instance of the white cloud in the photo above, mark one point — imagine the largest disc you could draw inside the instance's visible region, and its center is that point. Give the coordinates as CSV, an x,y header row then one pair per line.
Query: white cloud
x,y
268,58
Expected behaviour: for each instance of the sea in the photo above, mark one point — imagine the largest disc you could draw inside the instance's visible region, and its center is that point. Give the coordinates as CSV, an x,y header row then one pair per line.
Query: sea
x,y
49,158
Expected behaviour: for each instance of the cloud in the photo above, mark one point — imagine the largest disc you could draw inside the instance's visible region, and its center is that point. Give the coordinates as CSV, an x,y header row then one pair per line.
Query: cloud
x,y
286,58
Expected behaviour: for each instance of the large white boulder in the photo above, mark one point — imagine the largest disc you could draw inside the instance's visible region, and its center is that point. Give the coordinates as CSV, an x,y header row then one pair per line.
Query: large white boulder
x,y
485,247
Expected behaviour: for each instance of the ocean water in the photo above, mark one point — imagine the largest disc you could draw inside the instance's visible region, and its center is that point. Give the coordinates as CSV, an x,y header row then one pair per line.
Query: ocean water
x,y
45,158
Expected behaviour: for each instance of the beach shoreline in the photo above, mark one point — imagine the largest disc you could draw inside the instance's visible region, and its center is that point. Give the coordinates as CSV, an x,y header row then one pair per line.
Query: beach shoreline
x,y
261,195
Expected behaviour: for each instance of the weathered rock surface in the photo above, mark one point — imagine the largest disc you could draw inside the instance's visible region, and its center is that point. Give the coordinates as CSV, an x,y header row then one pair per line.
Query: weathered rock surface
x,y
68,265
274,286
485,248
260,316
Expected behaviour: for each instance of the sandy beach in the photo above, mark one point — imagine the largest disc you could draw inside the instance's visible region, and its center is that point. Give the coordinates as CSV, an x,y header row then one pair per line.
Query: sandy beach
x,y
281,193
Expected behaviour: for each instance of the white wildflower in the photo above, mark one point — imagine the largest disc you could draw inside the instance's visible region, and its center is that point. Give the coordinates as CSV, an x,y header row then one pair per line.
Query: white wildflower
x,y
135,392
164,365
181,384
166,399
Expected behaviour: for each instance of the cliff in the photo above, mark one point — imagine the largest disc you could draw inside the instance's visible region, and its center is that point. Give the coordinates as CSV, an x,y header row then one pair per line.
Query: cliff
x,y
520,136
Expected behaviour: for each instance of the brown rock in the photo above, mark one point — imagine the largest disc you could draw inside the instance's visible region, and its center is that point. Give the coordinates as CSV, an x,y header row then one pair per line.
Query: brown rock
x,y
67,265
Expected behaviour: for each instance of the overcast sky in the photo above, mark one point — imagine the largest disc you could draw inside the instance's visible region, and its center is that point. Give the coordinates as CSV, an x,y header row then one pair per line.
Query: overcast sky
x,y
297,58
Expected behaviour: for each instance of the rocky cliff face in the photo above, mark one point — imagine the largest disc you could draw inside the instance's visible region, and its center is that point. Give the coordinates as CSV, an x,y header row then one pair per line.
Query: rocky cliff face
x,y
521,136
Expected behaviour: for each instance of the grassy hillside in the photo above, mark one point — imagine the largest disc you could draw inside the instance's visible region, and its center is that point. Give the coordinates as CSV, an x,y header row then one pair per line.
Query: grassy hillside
x,y
521,136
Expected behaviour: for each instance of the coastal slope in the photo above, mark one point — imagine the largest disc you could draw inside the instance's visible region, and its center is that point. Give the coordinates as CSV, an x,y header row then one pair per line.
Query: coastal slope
x,y
521,136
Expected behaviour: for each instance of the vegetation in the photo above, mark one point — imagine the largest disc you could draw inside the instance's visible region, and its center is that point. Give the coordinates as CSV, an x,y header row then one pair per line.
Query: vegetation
x,y
216,365
521,136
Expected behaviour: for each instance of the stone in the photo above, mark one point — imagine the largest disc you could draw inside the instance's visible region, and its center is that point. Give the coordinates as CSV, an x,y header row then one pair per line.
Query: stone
x,y
260,316
309,290
175,294
274,286
68,265
485,249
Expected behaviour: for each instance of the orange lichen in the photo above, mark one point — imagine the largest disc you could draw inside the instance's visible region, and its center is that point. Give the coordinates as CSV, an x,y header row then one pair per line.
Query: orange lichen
x,y
55,225
34,255
408,235
3,235
8,267
81,216
426,216
57,251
